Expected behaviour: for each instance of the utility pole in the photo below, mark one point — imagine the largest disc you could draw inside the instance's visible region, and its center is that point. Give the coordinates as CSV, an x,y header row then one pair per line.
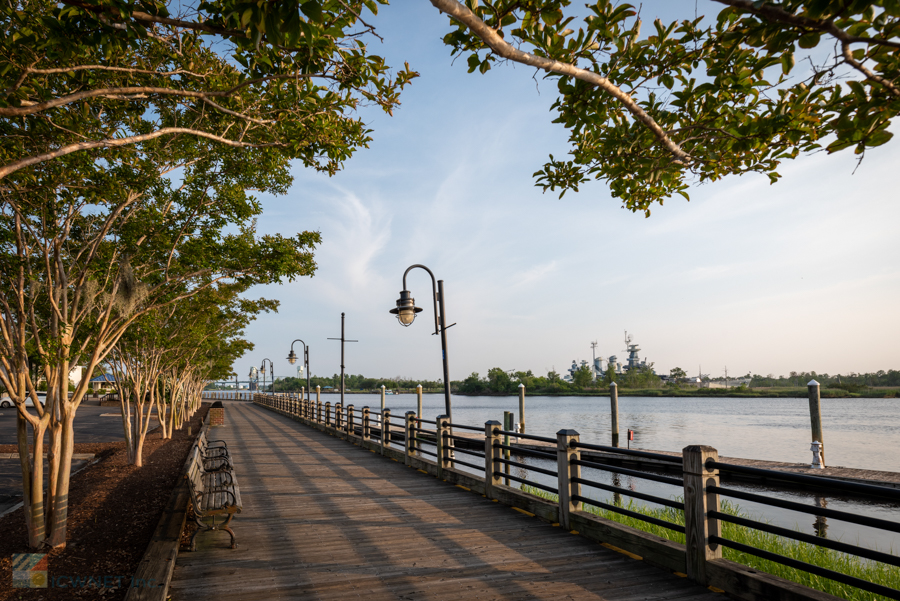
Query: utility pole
x,y
343,340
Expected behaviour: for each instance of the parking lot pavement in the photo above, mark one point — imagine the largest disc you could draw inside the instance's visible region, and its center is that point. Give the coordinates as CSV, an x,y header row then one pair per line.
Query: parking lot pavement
x,y
92,424
11,481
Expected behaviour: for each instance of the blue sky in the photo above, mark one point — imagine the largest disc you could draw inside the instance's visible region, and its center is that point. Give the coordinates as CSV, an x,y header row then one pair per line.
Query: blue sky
x,y
802,275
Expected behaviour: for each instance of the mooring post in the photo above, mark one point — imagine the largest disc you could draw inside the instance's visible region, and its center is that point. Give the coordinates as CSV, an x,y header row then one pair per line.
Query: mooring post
x,y
699,501
409,430
567,474
366,432
382,398
491,454
522,408
419,400
385,430
614,412
815,415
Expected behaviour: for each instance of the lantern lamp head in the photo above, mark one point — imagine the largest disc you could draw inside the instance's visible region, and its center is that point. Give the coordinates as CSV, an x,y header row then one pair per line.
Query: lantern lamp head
x,y
406,309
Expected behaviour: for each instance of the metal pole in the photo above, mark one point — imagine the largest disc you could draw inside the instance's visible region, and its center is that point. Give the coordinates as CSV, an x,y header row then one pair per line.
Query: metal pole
x,y
306,360
342,359
443,323
522,408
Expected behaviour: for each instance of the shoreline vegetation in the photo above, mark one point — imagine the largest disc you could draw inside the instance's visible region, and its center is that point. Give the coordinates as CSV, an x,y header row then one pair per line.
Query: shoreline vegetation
x,y
839,562
641,381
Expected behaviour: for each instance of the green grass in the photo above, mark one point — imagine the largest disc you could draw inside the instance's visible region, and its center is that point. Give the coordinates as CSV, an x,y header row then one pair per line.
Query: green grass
x,y
851,565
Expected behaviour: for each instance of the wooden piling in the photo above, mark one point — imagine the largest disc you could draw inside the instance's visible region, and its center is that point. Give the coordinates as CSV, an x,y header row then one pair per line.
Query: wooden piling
x,y
614,412
815,415
419,401
522,408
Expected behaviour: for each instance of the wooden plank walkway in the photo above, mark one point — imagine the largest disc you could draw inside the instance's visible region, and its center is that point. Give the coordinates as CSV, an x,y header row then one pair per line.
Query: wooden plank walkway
x,y
324,519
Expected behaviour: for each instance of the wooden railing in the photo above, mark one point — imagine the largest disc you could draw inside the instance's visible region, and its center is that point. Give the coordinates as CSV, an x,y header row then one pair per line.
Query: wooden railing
x,y
226,395
700,557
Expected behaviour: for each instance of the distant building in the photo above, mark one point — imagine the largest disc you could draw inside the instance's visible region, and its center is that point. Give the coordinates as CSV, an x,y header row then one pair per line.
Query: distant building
x,y
102,381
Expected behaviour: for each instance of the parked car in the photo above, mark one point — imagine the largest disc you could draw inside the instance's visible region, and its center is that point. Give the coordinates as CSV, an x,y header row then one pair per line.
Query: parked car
x,y
6,402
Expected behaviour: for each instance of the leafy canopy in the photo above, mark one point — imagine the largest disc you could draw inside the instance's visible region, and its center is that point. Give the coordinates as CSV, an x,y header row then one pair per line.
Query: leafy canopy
x,y
650,112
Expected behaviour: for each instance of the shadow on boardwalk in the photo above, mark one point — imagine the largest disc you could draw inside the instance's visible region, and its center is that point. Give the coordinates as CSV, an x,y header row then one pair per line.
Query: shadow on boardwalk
x,y
324,519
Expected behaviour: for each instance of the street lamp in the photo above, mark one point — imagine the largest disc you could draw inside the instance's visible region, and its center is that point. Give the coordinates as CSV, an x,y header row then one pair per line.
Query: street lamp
x,y
262,368
406,312
292,358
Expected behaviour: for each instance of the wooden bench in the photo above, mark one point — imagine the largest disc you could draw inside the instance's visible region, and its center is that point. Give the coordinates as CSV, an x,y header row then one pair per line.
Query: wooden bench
x,y
214,495
215,456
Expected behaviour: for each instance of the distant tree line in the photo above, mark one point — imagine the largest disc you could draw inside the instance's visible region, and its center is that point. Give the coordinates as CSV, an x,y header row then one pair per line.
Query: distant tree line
x,y
351,382
850,382
499,381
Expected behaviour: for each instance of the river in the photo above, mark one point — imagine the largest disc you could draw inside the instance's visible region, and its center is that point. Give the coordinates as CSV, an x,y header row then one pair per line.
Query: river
x,y
859,433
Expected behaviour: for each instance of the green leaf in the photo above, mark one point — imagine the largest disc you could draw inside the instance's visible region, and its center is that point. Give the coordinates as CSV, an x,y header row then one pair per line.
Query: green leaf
x,y
787,62
313,10
809,40
879,138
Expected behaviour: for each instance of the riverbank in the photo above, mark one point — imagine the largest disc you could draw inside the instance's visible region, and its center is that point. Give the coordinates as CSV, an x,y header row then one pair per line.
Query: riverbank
x,y
757,393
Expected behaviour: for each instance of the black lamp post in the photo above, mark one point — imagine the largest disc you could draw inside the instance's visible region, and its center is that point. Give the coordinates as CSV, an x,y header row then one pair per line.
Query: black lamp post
x,y
292,358
406,312
262,368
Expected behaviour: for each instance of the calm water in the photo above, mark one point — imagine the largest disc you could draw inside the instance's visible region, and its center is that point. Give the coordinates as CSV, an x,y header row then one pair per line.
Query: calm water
x,y
859,433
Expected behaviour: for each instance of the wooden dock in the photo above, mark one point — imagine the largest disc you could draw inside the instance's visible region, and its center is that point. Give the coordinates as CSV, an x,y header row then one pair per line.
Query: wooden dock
x,y
324,519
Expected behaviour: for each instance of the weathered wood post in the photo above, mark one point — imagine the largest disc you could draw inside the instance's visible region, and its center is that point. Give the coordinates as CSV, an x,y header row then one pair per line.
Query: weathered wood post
x,y
567,471
327,414
385,430
351,429
419,400
319,402
699,526
366,431
508,426
338,416
491,454
815,415
522,408
442,435
409,430
614,412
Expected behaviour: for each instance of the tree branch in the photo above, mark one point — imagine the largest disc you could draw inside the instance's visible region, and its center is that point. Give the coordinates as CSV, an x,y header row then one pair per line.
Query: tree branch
x,y
116,142
505,50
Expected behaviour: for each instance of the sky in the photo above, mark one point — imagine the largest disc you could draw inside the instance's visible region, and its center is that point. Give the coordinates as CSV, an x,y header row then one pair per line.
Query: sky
x,y
802,275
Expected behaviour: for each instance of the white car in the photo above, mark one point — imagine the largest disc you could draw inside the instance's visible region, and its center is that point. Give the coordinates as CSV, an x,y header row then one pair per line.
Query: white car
x,y
6,402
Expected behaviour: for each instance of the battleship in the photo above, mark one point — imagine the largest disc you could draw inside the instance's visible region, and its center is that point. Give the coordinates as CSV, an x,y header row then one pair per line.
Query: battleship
x,y
633,362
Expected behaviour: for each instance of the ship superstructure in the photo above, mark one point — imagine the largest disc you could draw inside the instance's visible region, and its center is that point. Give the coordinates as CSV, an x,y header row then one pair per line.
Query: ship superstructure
x,y
634,361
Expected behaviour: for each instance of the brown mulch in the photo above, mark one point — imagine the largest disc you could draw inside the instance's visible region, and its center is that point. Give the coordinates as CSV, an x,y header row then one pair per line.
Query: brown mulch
x,y
114,508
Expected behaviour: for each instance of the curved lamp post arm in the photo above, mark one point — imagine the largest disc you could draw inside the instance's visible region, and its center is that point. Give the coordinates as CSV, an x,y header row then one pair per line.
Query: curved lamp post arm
x,y
434,295
305,362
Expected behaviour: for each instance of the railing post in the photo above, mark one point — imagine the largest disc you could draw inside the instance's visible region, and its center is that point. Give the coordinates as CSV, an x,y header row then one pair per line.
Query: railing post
x,y
328,414
699,526
351,430
366,431
385,430
338,416
318,412
567,472
409,430
491,454
303,402
443,443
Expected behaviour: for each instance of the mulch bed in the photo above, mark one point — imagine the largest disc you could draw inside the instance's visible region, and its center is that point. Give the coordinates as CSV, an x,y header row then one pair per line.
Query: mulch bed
x,y
114,508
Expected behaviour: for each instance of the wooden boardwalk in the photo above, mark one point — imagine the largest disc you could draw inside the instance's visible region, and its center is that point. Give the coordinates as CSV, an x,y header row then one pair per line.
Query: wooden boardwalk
x,y
324,519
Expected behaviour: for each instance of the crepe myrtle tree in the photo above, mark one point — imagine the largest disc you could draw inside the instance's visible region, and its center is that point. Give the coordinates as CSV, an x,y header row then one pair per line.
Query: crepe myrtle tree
x,y
652,110
91,77
85,258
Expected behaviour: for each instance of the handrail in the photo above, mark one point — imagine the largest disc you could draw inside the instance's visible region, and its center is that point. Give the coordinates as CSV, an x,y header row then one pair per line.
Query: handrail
x,y
627,472
528,482
854,518
829,483
632,514
524,466
521,451
577,444
631,493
